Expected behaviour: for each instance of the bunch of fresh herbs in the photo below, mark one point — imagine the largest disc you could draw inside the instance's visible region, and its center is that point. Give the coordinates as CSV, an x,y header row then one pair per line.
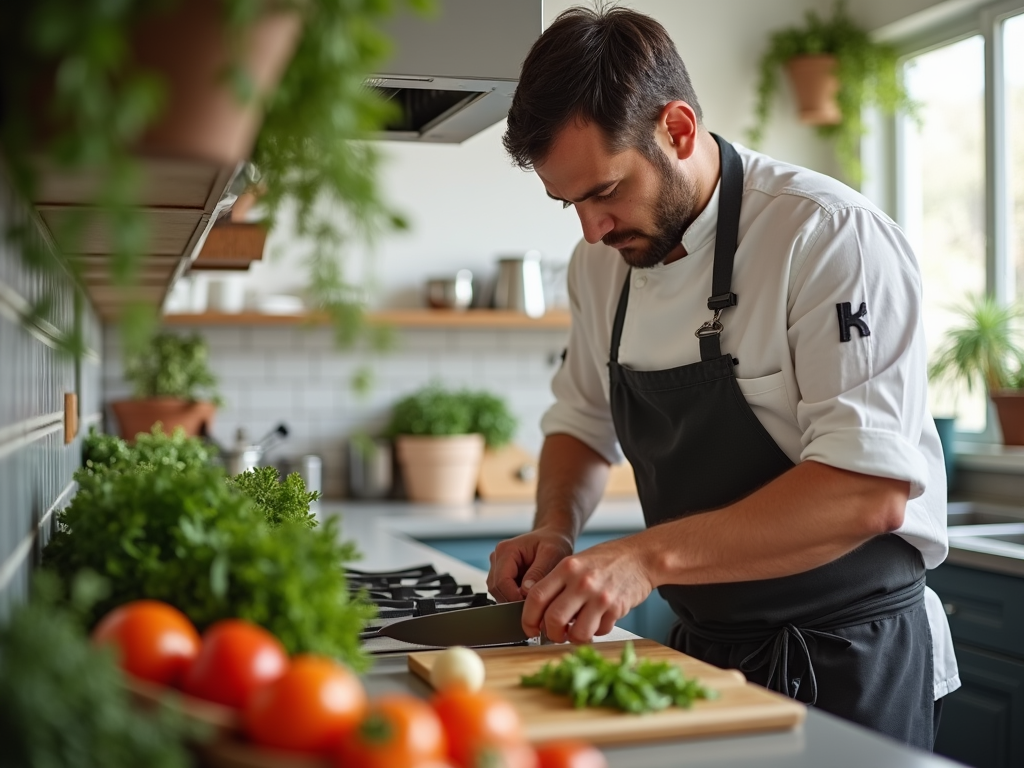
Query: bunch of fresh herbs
x,y
631,685
102,452
61,698
188,537
280,501
436,411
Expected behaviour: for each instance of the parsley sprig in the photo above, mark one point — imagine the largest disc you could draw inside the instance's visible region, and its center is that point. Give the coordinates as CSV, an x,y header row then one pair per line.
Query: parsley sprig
x,y
631,685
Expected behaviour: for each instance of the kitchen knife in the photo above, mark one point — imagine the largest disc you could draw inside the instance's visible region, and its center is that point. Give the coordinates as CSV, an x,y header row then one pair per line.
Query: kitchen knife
x,y
498,624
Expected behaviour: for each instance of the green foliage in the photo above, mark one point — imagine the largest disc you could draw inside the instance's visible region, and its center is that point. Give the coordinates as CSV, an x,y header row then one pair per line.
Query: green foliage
x,y
171,366
285,501
985,350
591,680
101,103
61,698
867,73
102,452
185,536
436,411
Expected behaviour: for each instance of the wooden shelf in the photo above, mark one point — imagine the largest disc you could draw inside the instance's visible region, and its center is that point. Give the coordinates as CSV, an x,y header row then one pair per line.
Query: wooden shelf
x,y
177,198
482,319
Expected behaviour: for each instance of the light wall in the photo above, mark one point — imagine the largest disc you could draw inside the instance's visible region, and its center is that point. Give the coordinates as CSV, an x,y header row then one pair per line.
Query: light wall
x,y
468,205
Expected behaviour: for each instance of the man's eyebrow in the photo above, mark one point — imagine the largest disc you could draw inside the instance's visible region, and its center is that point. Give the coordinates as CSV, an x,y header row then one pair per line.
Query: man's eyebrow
x,y
601,187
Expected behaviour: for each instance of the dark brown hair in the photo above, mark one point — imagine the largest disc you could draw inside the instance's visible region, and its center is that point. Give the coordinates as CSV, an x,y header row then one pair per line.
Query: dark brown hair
x,y
613,67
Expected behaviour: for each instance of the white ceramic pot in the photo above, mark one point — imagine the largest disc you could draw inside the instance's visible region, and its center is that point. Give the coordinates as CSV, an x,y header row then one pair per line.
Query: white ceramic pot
x,y
440,470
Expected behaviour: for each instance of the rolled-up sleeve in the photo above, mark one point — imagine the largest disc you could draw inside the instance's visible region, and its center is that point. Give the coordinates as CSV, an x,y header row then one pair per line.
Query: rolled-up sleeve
x,y
862,381
581,406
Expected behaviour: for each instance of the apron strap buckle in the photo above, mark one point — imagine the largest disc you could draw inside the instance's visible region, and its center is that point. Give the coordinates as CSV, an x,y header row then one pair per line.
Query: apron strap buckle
x,y
712,327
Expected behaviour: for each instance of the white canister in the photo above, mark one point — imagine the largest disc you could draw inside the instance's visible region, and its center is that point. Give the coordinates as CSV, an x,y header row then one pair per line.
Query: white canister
x,y
227,294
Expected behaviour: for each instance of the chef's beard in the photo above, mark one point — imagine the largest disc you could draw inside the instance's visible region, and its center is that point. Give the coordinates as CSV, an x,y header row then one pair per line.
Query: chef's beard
x,y
674,211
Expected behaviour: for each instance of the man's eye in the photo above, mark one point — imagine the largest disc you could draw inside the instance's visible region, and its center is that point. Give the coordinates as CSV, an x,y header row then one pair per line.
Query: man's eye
x,y
607,195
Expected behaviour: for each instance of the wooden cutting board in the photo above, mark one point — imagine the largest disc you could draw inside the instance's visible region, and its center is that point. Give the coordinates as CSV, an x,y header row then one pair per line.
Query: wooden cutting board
x,y
510,474
741,707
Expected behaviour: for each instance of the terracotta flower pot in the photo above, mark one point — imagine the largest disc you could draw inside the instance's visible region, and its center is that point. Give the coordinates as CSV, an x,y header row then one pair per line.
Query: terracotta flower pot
x,y
816,85
440,470
189,49
134,416
1010,407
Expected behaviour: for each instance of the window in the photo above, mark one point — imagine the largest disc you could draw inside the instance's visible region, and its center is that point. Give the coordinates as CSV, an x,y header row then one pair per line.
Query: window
x,y
960,177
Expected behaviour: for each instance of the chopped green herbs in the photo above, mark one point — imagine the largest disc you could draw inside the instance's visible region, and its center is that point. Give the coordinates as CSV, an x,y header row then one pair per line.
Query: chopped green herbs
x,y
631,685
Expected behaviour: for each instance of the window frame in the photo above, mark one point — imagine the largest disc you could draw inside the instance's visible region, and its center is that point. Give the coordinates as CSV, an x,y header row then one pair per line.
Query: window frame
x,y
882,154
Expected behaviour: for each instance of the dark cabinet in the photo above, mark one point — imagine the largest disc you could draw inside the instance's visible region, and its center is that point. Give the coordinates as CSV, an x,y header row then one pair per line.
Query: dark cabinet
x,y
983,722
651,619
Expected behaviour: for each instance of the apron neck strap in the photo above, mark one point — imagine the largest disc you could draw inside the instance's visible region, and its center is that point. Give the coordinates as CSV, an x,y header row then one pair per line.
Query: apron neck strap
x,y
727,237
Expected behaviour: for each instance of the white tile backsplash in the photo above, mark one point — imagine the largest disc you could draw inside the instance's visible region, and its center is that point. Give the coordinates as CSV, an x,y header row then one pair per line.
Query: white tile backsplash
x,y
297,376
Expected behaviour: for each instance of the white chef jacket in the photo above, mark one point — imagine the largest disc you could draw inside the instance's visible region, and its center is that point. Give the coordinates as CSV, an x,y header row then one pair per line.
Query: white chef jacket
x,y
807,243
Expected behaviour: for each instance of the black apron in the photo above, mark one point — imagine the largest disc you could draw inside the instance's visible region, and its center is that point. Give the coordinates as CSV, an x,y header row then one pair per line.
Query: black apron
x,y
851,637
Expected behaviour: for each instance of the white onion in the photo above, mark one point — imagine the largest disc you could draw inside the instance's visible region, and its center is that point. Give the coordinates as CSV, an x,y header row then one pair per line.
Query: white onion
x,y
457,667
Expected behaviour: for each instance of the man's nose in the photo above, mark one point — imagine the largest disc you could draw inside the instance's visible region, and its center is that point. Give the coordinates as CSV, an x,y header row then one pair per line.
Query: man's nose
x,y
596,224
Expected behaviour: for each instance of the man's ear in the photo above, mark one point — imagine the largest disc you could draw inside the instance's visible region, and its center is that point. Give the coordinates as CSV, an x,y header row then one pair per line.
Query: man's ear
x,y
678,123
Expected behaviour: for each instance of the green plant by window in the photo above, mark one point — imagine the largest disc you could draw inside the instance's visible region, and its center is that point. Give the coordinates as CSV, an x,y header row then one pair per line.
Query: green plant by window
x,y
436,411
985,349
867,73
171,366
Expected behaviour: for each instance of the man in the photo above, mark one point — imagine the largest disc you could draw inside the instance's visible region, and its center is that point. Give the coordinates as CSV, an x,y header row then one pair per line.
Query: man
x,y
790,476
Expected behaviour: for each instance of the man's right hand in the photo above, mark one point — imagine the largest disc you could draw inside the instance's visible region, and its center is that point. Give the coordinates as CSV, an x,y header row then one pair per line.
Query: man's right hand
x,y
517,564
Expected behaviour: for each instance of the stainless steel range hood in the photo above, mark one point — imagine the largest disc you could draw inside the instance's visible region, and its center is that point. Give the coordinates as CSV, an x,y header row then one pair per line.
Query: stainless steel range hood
x,y
453,73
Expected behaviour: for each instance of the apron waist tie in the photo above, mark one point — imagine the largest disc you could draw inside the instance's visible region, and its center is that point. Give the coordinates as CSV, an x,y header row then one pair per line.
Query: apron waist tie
x,y
775,648
778,657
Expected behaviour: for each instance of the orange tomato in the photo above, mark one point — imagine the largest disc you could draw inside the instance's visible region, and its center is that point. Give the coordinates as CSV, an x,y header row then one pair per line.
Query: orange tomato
x,y
155,641
237,658
398,731
474,718
570,753
508,755
308,709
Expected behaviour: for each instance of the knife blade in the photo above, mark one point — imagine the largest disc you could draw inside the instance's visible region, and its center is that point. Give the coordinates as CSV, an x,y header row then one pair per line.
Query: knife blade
x,y
498,624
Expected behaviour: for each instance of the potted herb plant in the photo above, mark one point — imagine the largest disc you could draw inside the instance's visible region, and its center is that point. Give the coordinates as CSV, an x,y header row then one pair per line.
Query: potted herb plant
x,y
440,437
986,350
169,377
837,71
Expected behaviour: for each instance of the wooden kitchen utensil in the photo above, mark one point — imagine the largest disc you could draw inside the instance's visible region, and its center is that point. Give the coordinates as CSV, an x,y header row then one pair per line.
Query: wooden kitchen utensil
x,y
740,707
510,474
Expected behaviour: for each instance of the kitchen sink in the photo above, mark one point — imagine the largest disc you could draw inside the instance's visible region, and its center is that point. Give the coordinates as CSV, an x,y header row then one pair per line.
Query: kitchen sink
x,y
971,513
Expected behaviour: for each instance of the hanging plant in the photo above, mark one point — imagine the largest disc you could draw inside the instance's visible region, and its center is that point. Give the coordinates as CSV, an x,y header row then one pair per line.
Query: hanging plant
x,y
865,75
97,104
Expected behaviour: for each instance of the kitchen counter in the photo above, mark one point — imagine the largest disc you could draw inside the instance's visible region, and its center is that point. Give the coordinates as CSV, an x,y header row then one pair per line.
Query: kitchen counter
x,y
386,535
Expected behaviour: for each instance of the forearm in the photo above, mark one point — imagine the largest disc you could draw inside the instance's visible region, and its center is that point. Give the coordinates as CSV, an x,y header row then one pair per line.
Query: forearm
x,y
571,480
805,518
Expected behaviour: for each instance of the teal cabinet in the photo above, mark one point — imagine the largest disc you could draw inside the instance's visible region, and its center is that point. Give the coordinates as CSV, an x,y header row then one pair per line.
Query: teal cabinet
x,y
983,722
651,619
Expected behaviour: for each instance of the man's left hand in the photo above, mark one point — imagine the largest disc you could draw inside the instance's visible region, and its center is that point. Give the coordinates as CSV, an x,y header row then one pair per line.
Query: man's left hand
x,y
586,593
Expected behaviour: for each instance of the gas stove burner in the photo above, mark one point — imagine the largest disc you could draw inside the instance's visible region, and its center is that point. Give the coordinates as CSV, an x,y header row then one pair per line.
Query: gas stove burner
x,y
418,591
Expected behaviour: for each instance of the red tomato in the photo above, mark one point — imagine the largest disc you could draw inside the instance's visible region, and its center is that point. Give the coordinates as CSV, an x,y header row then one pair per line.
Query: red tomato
x,y
397,731
237,658
569,753
473,718
155,641
308,709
